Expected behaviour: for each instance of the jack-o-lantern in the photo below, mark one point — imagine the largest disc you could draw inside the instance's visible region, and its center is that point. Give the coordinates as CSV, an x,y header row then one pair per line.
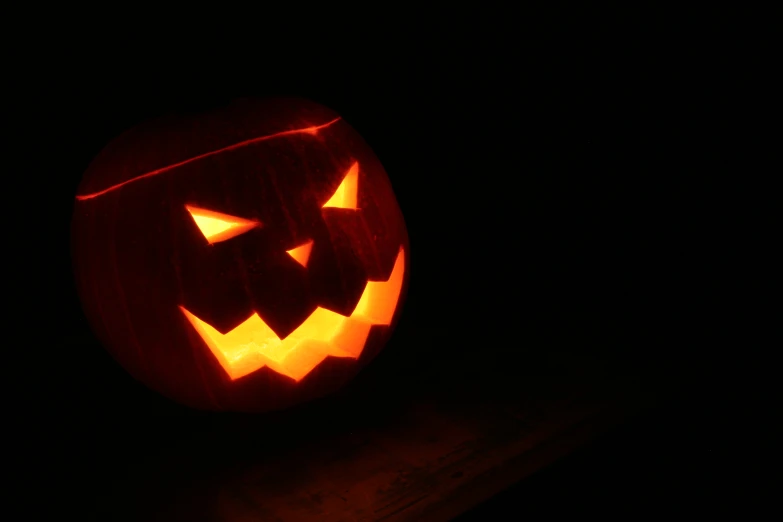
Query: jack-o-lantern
x,y
245,259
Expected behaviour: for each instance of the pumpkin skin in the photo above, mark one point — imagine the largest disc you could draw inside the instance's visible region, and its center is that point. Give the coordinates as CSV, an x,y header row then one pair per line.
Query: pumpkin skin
x,y
246,259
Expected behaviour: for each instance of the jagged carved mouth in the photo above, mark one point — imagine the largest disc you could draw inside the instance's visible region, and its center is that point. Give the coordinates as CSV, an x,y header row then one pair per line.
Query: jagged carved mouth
x,y
253,345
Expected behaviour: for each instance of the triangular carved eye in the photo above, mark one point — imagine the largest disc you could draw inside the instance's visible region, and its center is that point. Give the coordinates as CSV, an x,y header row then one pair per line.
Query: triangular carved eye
x,y
345,195
218,227
301,253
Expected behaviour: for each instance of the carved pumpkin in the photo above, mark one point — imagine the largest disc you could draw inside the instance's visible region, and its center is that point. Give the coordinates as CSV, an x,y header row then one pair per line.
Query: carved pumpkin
x,y
246,259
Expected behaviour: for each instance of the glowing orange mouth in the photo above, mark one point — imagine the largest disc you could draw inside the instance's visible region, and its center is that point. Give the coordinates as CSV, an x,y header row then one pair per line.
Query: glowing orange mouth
x,y
253,345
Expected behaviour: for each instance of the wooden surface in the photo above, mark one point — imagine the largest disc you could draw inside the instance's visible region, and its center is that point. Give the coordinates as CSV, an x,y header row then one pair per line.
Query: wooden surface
x,y
428,458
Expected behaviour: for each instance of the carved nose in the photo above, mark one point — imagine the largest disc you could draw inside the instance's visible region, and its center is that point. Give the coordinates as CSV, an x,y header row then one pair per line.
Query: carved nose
x,y
301,254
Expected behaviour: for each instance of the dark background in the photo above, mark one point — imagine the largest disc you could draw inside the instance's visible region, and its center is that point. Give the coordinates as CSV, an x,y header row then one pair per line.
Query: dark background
x,y
560,188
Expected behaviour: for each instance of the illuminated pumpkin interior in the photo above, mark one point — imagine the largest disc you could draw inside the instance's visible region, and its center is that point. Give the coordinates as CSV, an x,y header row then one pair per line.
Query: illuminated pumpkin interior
x,y
218,227
301,253
345,195
253,345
